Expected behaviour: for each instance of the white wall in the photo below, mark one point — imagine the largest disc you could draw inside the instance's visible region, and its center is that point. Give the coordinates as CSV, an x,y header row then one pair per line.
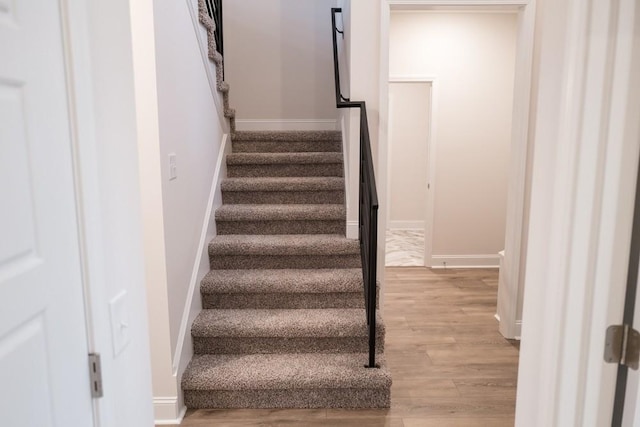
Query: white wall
x,y
164,383
186,121
472,57
279,60
409,117
362,37
188,128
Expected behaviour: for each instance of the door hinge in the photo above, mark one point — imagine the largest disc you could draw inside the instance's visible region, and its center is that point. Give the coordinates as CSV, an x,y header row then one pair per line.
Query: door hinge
x,y
95,375
622,346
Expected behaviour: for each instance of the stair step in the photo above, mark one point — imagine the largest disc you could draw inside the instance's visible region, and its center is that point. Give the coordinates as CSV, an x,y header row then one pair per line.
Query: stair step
x,y
285,381
229,252
236,331
316,288
286,141
281,219
284,164
299,190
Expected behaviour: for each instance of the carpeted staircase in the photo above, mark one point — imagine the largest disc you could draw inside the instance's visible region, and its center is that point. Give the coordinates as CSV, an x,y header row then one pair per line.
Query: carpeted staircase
x,y
283,320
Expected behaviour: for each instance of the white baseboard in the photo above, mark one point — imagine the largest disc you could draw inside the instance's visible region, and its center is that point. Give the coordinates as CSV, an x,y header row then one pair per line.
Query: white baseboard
x,y
465,261
345,162
184,347
405,225
201,250
518,329
352,229
166,411
286,124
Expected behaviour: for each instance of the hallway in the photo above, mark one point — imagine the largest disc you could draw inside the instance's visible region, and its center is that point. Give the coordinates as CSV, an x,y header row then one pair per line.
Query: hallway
x,y
450,366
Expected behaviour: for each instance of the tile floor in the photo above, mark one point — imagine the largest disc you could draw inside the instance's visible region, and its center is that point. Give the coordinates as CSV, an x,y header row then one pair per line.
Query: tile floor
x,y
405,248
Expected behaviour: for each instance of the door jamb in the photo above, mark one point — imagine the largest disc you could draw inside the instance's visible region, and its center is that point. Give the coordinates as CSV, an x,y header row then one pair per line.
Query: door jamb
x,y
431,160
510,295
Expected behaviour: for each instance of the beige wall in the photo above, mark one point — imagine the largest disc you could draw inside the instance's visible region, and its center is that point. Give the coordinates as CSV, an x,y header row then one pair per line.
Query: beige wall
x,y
279,58
409,118
472,57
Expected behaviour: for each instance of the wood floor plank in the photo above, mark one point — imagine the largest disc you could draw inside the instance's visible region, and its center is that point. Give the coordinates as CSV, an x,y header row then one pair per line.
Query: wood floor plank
x,y
450,365
458,422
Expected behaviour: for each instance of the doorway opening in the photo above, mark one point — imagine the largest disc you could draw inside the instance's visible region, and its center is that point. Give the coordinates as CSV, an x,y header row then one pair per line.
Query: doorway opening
x,y
410,104
447,190
457,84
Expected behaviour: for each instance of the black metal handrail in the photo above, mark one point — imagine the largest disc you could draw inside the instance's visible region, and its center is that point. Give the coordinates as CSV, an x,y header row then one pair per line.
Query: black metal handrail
x,y
368,198
214,9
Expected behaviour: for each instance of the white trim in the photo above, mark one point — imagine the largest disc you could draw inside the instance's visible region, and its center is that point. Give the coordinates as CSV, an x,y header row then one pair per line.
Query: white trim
x,y
586,154
80,121
352,229
286,124
405,225
510,295
77,171
444,4
412,78
518,330
165,410
187,314
524,60
345,162
476,10
432,143
209,66
193,305
465,261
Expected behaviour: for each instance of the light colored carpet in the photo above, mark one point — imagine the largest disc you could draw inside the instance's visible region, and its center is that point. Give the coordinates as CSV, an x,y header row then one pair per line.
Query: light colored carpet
x,y
283,323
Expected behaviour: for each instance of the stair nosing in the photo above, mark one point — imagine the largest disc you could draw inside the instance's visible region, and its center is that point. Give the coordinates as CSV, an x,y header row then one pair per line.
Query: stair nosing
x,y
201,373
292,281
287,136
283,244
281,212
284,158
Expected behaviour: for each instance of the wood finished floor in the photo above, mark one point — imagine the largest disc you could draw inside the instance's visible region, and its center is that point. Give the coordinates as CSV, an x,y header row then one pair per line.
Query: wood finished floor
x,y
450,366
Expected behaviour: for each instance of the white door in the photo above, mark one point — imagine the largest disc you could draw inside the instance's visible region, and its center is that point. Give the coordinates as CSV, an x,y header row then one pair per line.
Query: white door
x,y
43,343
409,128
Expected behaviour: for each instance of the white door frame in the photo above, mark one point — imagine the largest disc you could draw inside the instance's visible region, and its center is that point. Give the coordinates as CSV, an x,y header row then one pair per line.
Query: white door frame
x,y
74,69
510,294
431,160
102,275
583,183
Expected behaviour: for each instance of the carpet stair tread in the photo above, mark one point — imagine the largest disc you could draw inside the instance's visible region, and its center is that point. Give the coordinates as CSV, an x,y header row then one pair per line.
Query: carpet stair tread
x,y
287,136
280,281
279,212
283,323
283,158
283,371
283,244
283,184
